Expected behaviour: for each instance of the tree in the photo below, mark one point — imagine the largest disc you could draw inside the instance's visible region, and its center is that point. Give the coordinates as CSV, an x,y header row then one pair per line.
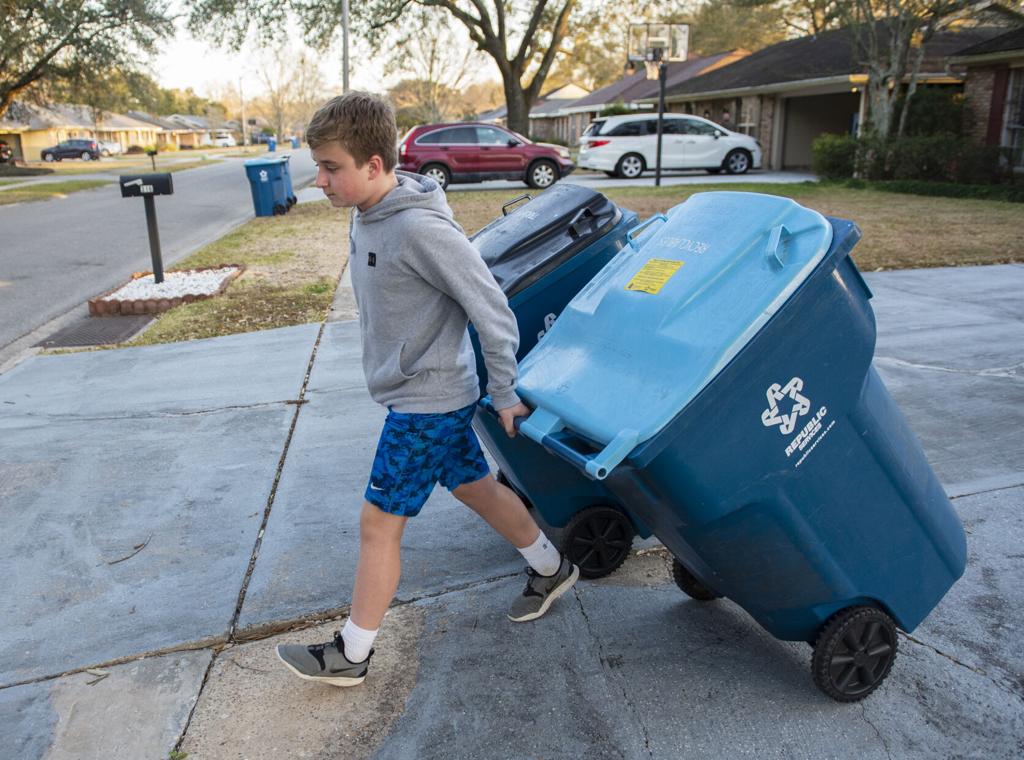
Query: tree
x,y
803,17
522,39
719,26
890,37
293,89
438,67
49,41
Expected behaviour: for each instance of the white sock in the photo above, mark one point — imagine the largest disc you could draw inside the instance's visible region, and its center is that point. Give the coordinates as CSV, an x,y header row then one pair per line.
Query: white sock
x,y
542,556
357,641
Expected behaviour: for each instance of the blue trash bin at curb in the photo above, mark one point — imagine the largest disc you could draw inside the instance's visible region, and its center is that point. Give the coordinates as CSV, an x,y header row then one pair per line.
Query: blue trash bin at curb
x,y
267,183
289,190
718,380
542,253
295,142
271,144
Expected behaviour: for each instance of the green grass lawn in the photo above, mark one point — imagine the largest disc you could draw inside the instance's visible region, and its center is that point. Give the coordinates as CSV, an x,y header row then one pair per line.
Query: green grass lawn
x,y
46,190
293,264
294,261
899,231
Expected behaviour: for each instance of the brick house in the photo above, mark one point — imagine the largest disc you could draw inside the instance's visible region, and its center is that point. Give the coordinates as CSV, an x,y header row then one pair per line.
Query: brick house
x,y
994,92
788,94
573,118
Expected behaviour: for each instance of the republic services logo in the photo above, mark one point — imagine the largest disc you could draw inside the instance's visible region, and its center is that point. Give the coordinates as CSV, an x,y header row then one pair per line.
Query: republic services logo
x,y
797,403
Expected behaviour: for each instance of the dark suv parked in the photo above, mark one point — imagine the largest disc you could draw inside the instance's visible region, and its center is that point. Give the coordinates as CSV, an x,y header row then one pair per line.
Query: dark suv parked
x,y
474,152
87,150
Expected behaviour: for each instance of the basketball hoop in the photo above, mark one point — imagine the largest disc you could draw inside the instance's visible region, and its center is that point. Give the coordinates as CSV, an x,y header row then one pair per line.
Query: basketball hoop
x,y
658,42
656,45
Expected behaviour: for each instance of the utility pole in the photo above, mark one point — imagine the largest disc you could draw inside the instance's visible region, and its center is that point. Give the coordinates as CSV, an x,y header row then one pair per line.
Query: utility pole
x,y
344,46
241,97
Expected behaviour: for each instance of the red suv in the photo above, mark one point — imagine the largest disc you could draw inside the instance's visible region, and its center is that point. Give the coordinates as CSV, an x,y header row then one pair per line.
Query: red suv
x,y
474,152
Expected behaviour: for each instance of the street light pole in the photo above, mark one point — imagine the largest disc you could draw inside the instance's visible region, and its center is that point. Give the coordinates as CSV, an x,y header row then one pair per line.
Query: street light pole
x,y
241,97
344,46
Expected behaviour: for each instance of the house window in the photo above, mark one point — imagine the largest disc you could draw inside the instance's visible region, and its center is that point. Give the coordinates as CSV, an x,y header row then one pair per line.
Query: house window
x,y
1013,135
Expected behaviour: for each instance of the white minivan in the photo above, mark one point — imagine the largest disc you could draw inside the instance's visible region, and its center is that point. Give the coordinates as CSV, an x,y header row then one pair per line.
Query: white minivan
x,y
625,146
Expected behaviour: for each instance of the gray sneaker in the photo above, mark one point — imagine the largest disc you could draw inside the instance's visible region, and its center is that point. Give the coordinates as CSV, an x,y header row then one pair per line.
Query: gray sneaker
x,y
324,662
541,591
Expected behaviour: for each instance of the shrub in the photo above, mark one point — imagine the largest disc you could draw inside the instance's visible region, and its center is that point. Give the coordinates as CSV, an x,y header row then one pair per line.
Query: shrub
x,y
935,158
934,111
1008,193
135,149
618,108
834,156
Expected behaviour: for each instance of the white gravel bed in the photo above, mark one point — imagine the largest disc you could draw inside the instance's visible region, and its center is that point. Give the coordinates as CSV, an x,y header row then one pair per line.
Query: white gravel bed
x,y
204,282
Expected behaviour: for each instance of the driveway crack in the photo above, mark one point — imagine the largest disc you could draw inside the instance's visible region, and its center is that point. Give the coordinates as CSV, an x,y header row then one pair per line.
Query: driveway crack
x,y
885,744
160,415
604,663
977,671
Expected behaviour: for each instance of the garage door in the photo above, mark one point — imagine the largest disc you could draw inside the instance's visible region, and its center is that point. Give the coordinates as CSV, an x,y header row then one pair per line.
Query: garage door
x,y
808,117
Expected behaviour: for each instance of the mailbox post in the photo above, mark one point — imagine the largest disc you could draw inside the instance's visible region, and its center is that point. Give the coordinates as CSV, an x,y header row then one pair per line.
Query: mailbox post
x,y
146,186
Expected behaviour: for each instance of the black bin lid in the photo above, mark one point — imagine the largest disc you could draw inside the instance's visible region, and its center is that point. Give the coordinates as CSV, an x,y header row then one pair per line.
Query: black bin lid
x,y
527,242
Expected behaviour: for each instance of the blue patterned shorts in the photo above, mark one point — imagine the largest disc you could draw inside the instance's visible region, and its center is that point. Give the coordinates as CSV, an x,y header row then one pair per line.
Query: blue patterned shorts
x,y
416,451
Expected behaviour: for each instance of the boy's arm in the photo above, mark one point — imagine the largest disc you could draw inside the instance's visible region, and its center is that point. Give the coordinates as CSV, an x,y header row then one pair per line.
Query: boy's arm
x,y
443,256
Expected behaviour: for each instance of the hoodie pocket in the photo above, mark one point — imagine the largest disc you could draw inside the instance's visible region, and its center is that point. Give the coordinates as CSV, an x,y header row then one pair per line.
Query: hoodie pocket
x,y
385,367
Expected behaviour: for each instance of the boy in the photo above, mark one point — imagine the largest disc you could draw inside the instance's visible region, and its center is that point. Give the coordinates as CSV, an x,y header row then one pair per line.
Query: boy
x,y
417,282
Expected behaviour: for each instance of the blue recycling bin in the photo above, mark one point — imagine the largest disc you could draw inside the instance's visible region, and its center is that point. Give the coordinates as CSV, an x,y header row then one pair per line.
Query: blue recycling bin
x,y
717,380
541,254
267,183
295,143
271,144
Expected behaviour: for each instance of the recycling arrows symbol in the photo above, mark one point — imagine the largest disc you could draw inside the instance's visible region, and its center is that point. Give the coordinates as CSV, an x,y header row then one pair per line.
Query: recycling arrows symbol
x,y
776,393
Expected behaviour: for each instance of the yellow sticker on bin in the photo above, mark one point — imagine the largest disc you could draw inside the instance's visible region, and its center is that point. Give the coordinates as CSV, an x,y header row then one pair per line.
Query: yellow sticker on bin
x,y
653,275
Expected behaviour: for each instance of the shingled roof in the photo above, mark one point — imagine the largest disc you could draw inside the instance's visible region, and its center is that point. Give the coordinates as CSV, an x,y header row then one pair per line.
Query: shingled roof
x,y
823,56
1004,43
636,86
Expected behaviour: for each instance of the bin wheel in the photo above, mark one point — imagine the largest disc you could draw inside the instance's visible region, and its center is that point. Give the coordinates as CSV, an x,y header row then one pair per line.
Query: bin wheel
x,y
280,210
690,586
598,539
501,478
854,653
292,200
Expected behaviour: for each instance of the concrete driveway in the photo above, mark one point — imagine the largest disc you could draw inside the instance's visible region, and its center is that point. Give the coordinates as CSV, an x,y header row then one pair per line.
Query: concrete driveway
x,y
172,512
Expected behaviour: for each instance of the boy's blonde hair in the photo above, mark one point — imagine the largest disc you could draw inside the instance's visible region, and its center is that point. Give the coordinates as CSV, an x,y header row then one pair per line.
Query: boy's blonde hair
x,y
364,125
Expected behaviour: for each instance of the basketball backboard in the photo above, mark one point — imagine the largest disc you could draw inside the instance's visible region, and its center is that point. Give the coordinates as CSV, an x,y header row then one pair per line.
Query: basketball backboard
x,y
658,42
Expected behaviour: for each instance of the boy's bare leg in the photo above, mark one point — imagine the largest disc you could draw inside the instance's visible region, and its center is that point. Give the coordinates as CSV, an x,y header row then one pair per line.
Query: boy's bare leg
x,y
553,573
380,565
502,508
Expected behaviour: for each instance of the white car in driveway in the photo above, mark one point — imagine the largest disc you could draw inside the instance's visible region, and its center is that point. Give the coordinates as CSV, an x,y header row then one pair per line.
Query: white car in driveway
x,y
626,146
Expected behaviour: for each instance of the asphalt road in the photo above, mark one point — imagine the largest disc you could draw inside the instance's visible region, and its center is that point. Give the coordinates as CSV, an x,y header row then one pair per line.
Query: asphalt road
x,y
55,255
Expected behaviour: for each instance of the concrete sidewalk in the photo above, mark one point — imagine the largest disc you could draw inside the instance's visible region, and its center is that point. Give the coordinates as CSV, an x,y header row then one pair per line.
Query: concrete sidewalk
x,y
172,512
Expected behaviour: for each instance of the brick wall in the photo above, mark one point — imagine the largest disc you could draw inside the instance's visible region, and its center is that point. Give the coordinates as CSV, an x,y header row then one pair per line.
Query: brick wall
x,y
978,87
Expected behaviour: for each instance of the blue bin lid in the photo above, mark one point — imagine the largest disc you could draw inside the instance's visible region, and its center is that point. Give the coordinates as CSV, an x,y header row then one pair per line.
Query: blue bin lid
x,y
664,317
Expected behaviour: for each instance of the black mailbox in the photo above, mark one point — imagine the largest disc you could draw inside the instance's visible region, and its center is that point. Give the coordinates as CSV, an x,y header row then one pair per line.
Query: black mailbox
x,y
142,185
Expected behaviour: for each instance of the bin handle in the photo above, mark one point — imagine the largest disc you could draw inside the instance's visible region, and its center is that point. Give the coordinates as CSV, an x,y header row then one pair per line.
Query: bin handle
x,y
541,427
776,245
631,235
574,231
514,201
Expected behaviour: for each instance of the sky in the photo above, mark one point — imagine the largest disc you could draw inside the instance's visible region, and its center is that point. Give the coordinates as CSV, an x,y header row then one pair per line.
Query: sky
x,y
187,62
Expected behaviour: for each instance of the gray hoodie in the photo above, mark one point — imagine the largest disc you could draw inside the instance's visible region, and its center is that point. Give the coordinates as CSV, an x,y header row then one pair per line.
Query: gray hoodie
x,y
418,281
